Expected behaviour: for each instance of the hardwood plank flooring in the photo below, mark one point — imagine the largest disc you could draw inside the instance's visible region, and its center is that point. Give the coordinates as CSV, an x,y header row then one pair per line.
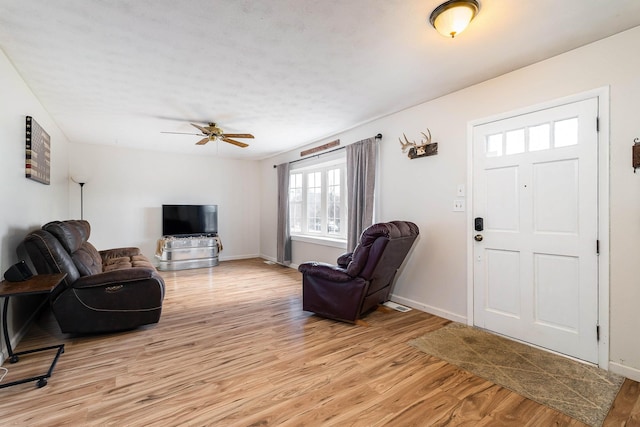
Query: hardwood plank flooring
x,y
234,348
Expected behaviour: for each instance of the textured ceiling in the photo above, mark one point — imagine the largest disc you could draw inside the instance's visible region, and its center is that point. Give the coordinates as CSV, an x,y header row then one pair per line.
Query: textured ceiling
x,y
291,72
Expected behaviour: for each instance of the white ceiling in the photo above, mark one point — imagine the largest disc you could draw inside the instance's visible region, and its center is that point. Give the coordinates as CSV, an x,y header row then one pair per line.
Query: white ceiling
x,y
291,72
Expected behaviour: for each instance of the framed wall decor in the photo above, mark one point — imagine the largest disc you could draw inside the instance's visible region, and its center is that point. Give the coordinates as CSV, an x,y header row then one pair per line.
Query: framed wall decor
x,y
38,152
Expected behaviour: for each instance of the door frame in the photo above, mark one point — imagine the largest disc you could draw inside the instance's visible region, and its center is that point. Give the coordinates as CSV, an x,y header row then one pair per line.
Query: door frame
x,y
602,96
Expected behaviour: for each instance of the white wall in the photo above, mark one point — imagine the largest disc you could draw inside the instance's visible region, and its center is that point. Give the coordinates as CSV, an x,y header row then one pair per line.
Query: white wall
x,y
26,204
126,189
423,190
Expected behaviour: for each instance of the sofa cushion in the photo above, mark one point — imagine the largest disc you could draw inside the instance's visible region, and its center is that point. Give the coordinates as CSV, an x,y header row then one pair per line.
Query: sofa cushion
x,y
117,266
49,256
141,261
119,260
71,234
87,260
111,262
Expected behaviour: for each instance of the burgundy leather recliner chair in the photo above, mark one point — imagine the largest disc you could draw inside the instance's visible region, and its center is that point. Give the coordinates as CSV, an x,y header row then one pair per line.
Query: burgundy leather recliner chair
x,y
104,291
362,279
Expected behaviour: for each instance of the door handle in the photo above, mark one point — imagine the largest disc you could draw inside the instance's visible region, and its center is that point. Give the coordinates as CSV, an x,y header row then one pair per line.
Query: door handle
x,y
478,237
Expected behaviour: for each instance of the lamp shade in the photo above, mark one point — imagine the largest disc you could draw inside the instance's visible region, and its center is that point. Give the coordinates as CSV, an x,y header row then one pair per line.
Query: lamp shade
x,y
452,17
79,178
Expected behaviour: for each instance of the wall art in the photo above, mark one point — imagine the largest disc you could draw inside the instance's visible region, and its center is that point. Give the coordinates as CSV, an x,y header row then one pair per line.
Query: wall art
x,y
38,151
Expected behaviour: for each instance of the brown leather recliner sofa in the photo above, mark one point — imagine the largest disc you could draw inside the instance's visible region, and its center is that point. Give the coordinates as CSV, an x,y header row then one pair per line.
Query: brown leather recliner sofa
x,y
362,279
104,291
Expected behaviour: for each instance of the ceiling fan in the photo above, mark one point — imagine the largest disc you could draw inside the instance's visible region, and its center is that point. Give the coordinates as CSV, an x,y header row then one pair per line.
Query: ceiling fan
x,y
213,132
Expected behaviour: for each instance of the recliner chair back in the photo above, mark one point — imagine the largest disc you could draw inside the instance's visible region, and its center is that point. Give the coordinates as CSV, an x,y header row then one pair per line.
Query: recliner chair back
x,y
387,255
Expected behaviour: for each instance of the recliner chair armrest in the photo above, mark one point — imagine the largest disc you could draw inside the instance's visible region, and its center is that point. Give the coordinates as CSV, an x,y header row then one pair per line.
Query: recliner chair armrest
x,y
333,299
345,259
115,277
325,271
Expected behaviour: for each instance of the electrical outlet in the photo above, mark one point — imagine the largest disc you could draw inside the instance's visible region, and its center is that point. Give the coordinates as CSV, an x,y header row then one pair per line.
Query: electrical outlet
x,y
458,205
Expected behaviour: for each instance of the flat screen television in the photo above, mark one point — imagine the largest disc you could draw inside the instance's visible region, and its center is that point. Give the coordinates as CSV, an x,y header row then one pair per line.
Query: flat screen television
x,y
189,220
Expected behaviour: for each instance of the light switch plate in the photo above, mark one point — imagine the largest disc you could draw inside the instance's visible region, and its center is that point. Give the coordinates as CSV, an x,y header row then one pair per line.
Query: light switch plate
x,y
458,205
460,192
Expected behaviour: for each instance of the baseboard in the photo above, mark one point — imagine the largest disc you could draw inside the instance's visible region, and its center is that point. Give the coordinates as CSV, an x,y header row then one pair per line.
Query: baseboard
x,y
236,257
625,371
268,258
273,260
429,309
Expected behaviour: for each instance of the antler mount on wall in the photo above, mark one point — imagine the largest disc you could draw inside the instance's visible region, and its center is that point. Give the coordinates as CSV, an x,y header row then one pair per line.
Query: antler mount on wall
x,y
425,148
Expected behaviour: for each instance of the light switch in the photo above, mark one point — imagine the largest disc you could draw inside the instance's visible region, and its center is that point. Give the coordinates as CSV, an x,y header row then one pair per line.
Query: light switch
x,y
461,192
458,205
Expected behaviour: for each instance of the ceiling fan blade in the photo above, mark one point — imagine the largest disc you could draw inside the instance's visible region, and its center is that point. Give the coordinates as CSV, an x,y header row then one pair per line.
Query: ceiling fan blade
x,y
231,141
203,141
203,130
182,133
239,135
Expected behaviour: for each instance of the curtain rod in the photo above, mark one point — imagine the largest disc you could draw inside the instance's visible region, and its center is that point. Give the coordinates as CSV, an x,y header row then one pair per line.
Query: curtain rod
x,y
378,136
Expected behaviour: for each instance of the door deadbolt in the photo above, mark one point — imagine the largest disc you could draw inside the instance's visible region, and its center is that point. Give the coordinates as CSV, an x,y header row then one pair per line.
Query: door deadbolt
x,y
478,237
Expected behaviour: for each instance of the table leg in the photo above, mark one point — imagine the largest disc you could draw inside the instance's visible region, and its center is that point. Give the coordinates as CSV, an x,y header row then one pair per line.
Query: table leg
x,y
13,358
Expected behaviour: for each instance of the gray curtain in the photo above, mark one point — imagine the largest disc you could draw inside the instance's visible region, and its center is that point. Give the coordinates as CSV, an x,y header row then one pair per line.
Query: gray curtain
x,y
283,255
361,176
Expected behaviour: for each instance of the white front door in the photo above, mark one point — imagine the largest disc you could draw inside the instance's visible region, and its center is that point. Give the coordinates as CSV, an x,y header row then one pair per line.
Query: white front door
x,y
535,180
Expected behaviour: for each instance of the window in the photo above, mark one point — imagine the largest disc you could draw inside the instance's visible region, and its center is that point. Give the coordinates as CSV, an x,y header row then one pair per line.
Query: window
x,y
317,202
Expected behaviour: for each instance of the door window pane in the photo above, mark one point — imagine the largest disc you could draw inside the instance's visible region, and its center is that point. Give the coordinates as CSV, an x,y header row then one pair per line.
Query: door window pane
x,y
515,141
494,145
565,132
539,137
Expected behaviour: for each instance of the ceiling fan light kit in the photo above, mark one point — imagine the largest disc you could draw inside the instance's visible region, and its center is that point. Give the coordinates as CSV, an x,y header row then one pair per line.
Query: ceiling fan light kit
x,y
452,17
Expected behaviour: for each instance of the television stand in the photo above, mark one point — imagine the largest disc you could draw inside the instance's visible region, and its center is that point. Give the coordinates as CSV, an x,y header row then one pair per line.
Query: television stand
x,y
185,252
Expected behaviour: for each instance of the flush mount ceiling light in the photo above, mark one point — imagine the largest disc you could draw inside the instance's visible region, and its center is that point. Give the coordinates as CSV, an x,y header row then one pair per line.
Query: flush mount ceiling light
x,y
452,17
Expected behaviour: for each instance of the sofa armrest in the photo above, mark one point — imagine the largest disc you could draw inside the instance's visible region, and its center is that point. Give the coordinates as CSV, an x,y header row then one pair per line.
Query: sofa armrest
x,y
119,253
115,277
325,271
115,300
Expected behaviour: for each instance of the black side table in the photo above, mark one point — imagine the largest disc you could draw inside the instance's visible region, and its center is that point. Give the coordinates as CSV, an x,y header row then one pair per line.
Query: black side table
x,y
40,284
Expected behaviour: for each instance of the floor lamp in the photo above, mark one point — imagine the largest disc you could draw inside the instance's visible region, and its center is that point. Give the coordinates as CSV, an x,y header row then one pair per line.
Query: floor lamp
x,y
81,181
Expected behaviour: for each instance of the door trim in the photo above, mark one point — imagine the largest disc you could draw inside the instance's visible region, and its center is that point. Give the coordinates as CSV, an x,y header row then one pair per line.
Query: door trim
x,y
602,95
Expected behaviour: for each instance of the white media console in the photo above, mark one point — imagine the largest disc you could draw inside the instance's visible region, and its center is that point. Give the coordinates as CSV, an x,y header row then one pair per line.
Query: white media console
x,y
180,253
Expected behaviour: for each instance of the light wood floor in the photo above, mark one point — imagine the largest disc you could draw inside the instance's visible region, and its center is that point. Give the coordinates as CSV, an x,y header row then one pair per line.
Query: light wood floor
x,y
234,348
